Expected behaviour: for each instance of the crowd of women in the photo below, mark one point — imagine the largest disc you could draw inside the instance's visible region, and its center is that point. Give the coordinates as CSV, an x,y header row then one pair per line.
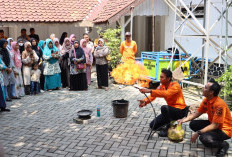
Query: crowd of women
x,y
29,67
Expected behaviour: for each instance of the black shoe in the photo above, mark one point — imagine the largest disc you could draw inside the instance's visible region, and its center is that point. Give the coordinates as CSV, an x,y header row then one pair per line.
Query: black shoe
x,y
15,97
163,133
5,110
223,149
8,99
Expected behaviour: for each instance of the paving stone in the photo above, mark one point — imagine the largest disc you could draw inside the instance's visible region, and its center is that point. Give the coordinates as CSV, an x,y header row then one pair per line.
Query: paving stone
x,y
42,125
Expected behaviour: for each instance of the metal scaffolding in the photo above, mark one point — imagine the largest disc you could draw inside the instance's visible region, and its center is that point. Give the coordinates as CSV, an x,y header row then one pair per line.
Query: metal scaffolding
x,y
202,31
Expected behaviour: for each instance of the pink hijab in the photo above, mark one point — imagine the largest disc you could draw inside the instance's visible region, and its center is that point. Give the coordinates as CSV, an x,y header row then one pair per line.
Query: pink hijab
x,y
70,38
87,51
17,56
66,48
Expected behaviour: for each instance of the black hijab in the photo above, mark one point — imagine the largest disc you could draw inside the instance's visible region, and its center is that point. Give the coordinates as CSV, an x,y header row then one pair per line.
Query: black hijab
x,y
35,47
4,52
79,51
63,37
21,48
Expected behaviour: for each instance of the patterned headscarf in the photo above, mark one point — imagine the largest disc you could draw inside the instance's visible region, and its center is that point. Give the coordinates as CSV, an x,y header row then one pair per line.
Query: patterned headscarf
x,y
9,48
17,56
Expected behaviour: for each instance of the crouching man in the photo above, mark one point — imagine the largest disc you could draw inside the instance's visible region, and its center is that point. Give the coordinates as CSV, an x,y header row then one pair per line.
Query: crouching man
x,y
218,127
172,93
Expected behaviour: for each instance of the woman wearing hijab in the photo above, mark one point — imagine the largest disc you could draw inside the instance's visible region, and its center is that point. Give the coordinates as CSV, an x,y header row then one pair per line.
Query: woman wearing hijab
x,y
29,57
35,47
65,62
8,76
77,68
63,36
41,46
89,59
57,44
2,95
19,90
9,41
52,36
100,54
72,38
51,66
21,46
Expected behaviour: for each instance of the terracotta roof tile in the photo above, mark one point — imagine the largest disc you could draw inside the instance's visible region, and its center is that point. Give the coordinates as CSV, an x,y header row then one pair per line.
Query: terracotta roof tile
x,y
45,10
111,8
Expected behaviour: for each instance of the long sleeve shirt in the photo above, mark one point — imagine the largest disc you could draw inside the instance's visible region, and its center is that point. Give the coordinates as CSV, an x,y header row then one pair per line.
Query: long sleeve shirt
x,y
173,95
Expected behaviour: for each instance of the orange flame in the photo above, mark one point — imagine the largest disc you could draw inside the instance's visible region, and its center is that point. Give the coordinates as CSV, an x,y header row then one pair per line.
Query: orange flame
x,y
129,73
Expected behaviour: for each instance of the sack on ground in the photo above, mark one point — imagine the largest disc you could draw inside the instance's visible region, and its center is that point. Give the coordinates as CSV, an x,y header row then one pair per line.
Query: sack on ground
x,y
176,133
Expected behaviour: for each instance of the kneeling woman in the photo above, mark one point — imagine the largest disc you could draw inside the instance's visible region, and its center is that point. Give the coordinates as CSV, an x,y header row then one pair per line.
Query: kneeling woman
x,y
78,79
51,66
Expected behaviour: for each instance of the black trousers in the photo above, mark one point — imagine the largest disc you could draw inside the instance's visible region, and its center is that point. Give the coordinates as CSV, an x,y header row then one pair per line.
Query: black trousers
x,y
167,115
102,75
211,139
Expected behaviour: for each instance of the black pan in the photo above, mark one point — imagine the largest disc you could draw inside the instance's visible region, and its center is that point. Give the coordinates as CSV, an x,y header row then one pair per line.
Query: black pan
x,y
84,113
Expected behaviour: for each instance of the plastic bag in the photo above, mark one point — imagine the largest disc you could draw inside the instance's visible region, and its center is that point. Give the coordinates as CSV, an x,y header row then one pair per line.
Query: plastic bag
x,y
176,133
108,57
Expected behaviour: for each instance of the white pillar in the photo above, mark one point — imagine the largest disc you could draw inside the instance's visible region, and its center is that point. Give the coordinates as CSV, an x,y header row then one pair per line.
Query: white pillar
x,y
131,24
123,28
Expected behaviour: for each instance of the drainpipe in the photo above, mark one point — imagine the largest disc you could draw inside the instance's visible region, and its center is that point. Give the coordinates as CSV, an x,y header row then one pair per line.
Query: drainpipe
x,y
131,24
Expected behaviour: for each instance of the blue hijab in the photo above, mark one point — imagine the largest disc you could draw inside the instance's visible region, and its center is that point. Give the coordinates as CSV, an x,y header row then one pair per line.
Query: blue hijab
x,y
48,51
40,45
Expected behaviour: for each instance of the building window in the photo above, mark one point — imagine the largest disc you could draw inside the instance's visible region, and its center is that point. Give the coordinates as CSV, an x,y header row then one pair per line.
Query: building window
x,y
198,12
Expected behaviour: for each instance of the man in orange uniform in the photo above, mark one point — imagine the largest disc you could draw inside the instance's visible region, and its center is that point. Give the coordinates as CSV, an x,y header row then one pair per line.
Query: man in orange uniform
x,y
218,127
128,49
172,93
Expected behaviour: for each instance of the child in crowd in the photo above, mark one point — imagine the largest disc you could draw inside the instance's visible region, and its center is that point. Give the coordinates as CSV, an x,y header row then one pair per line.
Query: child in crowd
x,y
35,77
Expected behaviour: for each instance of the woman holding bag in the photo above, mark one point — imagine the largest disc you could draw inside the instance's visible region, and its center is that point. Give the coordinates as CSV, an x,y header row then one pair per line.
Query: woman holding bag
x,y
100,54
78,79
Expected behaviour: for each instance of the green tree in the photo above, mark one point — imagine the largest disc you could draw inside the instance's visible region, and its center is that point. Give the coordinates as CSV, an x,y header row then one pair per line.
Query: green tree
x,y
113,41
226,77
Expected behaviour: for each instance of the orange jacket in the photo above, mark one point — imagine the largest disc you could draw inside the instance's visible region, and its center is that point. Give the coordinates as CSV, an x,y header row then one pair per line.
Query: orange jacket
x,y
173,95
218,112
128,51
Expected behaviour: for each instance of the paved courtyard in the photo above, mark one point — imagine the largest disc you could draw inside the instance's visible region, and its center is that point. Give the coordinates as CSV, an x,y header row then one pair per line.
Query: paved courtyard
x,y
43,125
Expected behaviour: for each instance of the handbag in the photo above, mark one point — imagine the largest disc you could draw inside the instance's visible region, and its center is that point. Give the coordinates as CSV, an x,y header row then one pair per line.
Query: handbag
x,y
108,57
80,66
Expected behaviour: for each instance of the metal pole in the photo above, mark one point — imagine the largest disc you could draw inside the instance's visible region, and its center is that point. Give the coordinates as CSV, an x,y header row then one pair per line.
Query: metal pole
x,y
207,42
203,42
153,25
226,43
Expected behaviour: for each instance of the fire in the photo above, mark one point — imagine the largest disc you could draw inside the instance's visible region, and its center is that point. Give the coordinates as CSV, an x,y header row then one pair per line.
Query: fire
x,y
129,73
